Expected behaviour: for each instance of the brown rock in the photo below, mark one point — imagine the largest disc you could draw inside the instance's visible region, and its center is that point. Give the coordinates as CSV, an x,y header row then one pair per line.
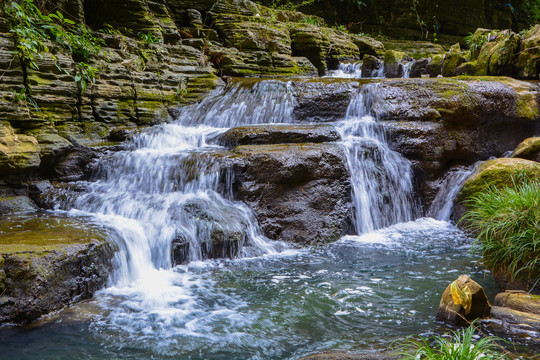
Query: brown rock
x,y
462,301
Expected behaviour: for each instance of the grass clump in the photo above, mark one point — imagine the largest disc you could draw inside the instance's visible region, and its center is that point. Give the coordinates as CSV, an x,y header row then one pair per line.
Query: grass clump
x,y
463,345
507,224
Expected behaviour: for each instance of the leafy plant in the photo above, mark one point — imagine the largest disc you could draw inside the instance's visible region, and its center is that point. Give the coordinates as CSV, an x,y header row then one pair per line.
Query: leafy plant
x,y
507,223
462,346
85,75
149,38
21,98
34,30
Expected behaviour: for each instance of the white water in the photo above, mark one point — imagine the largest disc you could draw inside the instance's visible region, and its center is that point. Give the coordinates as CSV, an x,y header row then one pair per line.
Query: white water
x,y
381,178
442,206
347,71
353,70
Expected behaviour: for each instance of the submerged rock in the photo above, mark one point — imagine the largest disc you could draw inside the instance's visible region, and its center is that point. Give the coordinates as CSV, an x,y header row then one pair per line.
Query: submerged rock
x,y
47,262
463,301
278,134
300,193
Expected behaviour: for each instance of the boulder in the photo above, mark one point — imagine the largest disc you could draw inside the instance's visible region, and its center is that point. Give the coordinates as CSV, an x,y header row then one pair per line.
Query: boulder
x,y
463,301
48,262
497,173
323,100
452,60
367,45
52,148
371,66
528,59
300,193
529,149
434,68
278,134
393,63
419,68
212,232
518,300
16,204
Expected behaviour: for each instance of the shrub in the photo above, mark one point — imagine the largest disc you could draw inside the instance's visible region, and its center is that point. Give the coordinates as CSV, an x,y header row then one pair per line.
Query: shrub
x,y
507,223
462,346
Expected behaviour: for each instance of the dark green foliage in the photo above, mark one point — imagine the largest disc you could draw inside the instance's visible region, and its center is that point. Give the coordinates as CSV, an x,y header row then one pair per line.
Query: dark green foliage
x,y
507,223
462,346
34,30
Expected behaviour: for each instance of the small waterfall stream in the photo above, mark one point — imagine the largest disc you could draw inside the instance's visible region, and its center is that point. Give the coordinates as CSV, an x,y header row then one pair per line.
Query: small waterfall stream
x,y
381,178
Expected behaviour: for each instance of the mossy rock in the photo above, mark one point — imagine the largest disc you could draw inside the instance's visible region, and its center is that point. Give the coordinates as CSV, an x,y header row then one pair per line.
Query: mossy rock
x,y
467,68
528,60
49,262
498,173
434,68
529,149
451,62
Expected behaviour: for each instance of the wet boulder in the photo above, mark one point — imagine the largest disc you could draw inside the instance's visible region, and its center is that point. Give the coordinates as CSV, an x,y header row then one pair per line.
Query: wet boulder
x,y
212,230
300,193
393,63
463,301
529,149
48,262
323,100
517,309
278,134
371,66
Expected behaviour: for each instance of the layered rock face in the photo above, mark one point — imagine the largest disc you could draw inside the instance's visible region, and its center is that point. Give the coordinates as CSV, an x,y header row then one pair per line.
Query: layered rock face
x,y
155,56
446,20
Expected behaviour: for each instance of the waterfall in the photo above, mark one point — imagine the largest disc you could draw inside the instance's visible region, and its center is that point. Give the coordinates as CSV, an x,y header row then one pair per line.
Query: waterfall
x,y
381,178
347,70
442,206
165,188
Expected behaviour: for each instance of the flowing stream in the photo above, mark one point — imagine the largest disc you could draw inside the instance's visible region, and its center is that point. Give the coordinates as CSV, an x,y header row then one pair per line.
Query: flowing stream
x,y
271,302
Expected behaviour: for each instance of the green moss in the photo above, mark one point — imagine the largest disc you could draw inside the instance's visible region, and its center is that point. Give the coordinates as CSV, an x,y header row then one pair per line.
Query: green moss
x,y
43,234
498,173
527,107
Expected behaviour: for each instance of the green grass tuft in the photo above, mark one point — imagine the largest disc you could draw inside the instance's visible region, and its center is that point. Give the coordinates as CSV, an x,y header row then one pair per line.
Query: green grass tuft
x,y
462,346
507,224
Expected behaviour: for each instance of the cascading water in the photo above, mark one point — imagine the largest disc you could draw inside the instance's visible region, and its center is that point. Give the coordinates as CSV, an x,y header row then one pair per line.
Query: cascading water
x,y
165,186
347,71
359,292
381,178
443,204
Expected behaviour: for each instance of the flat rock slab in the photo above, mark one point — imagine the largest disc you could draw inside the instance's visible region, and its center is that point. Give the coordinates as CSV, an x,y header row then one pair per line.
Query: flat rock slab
x,y
278,134
524,320
519,300
47,262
